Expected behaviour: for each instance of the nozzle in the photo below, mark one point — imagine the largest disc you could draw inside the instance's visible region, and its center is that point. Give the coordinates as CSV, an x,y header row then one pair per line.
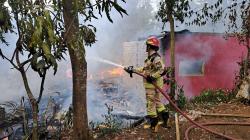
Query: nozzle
x,y
130,70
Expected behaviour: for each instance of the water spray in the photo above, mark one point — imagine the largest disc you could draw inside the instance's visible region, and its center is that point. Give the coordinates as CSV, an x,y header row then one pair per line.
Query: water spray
x,y
107,62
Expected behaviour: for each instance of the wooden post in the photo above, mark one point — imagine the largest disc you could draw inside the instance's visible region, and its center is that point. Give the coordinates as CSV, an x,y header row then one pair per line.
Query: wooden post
x,y
177,128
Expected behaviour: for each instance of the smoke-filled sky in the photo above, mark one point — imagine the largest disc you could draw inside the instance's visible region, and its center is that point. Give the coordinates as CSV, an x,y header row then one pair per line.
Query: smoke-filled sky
x,y
140,22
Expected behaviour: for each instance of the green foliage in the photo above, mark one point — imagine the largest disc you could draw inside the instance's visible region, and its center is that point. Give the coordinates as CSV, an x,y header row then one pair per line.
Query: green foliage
x,y
182,99
176,8
216,11
5,21
43,42
213,96
230,12
110,125
88,34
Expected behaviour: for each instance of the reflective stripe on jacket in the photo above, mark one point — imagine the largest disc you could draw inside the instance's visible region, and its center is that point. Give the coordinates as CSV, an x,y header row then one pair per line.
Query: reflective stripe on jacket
x,y
153,66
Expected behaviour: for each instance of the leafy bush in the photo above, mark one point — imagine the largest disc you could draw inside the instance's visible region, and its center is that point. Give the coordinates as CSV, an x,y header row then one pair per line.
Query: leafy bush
x,y
182,99
213,96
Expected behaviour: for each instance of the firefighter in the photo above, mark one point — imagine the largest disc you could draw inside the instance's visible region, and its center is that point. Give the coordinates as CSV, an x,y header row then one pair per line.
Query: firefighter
x,y
153,69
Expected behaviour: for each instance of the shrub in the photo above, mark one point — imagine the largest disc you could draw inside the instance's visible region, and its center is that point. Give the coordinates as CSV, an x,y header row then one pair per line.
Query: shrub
x,y
213,96
112,124
182,99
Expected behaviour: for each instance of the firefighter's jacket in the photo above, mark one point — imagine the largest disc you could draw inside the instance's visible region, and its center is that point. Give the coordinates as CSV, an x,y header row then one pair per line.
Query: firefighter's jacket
x,y
154,67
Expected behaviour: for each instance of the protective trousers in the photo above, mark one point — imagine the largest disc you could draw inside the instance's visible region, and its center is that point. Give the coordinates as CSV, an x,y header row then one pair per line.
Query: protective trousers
x,y
154,103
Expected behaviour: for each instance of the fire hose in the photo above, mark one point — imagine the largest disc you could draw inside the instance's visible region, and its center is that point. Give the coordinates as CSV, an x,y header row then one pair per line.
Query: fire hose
x,y
215,123
195,124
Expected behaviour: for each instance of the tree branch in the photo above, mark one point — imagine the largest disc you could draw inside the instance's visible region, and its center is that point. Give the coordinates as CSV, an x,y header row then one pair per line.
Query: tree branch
x,y
42,87
11,61
13,55
25,62
25,80
27,68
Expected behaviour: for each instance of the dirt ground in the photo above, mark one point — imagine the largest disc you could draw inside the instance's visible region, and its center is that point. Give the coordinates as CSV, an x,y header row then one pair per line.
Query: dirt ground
x,y
238,132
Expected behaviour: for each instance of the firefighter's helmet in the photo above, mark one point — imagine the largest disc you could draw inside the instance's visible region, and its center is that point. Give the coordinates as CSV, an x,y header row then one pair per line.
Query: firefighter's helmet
x,y
153,41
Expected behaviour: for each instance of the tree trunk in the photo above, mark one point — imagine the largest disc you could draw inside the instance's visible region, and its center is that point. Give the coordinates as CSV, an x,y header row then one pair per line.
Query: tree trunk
x,y
172,55
25,121
173,82
34,107
80,120
79,71
32,100
35,120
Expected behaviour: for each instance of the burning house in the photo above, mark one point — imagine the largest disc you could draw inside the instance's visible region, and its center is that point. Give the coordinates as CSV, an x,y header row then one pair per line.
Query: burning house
x,y
203,60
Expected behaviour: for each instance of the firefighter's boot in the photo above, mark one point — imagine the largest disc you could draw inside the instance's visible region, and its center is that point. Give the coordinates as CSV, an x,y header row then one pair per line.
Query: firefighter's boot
x,y
152,123
165,117
160,122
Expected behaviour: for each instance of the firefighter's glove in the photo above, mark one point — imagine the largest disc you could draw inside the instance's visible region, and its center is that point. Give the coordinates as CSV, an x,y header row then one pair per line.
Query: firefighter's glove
x,y
129,69
150,79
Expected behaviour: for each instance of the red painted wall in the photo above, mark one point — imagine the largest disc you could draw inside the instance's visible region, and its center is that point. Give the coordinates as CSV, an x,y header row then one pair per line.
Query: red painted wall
x,y
220,59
